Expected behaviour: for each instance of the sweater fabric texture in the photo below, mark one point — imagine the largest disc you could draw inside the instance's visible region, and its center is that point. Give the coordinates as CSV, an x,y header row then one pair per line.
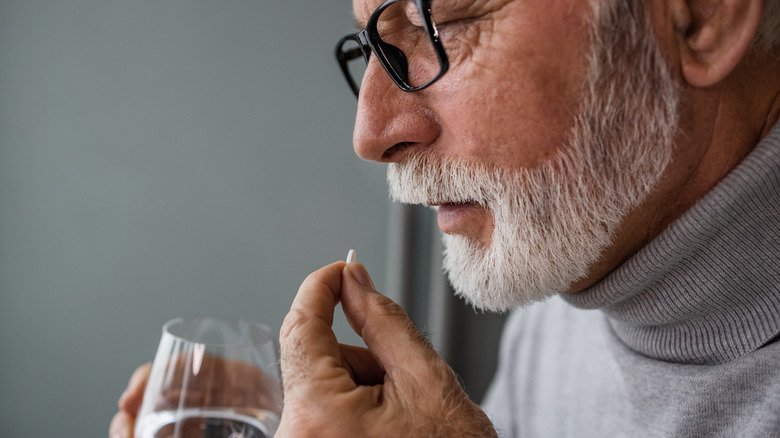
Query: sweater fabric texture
x,y
681,340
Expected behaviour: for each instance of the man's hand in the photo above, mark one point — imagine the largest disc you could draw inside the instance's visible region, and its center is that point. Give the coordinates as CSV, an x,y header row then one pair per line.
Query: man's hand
x,y
219,382
397,386
129,402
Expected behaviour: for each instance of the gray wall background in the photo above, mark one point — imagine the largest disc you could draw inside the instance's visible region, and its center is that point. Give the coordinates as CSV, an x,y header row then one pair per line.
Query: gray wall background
x,y
163,158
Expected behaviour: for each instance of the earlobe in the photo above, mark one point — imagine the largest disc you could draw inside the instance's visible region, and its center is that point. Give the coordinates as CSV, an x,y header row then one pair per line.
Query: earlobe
x,y
714,36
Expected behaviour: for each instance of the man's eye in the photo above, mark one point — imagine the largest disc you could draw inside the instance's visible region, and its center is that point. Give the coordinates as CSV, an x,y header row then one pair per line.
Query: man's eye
x,y
451,23
460,27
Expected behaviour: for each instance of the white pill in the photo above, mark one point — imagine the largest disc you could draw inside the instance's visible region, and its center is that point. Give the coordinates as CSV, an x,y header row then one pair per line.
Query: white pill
x,y
351,256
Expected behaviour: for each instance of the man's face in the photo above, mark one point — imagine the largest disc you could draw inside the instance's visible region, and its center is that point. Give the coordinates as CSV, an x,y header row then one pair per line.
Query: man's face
x,y
532,147
508,99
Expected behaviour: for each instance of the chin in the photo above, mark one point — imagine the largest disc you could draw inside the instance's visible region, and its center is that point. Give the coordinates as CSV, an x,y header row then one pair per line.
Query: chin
x,y
483,276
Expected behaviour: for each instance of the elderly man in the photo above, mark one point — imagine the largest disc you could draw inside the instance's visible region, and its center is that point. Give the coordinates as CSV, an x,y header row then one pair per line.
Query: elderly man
x,y
622,155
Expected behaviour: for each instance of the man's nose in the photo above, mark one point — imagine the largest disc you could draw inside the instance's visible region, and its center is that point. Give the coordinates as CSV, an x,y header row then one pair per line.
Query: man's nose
x,y
390,122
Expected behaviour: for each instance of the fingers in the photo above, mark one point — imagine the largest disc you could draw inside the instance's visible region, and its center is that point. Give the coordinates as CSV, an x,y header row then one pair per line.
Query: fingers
x,y
384,326
320,292
309,348
121,426
218,382
130,400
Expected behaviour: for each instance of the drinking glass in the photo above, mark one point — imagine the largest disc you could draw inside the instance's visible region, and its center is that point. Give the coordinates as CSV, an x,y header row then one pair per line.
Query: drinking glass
x,y
212,378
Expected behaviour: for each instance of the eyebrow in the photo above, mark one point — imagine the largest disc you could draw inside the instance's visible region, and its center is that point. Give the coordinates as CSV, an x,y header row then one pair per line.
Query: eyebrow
x,y
357,23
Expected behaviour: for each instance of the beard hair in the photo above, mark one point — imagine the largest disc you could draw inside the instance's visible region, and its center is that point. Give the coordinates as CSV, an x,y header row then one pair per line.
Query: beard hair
x,y
552,222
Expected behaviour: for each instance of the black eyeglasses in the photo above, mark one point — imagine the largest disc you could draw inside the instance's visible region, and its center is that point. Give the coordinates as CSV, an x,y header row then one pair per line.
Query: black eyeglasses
x,y
411,53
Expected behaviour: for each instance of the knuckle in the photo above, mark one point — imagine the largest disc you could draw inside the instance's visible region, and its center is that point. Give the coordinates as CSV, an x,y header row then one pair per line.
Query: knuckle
x,y
316,286
291,323
313,277
321,287
317,279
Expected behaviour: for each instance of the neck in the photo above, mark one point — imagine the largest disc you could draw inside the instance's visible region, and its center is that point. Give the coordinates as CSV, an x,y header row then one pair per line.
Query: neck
x,y
704,291
724,124
719,126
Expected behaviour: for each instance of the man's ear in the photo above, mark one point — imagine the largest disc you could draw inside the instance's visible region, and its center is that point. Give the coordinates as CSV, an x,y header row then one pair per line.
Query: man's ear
x,y
714,36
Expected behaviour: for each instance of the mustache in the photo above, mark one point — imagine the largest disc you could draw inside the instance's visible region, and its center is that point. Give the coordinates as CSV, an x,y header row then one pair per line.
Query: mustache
x,y
423,178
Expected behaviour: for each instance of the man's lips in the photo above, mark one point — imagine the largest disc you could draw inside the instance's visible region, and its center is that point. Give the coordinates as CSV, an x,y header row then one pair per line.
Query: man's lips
x,y
457,217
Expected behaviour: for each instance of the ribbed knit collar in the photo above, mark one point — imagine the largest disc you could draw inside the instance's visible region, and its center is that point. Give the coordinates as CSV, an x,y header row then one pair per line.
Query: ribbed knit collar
x,y
707,289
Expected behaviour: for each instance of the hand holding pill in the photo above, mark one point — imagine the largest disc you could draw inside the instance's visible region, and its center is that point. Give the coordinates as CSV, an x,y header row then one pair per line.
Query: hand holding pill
x,y
396,386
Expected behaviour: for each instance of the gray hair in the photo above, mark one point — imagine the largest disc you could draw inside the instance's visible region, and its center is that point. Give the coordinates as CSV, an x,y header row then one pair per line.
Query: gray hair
x,y
769,33
768,38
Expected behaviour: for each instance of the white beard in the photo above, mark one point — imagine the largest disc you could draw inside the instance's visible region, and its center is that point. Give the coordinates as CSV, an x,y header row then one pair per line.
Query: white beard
x,y
551,223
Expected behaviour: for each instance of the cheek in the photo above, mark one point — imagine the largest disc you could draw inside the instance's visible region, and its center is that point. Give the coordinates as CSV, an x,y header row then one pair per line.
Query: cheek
x,y
512,100
504,127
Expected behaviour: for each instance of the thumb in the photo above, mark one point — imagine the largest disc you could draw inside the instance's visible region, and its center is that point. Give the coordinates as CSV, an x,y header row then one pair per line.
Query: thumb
x,y
384,325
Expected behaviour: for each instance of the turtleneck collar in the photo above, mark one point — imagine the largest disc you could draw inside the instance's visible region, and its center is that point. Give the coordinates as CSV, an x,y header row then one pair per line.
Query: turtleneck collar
x,y
707,289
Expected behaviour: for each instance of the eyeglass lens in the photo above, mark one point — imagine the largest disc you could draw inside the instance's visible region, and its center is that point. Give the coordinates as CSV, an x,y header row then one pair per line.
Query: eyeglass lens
x,y
405,45
356,66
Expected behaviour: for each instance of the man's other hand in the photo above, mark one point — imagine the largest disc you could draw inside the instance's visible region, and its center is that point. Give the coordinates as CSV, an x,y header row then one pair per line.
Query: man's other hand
x,y
218,382
396,387
129,402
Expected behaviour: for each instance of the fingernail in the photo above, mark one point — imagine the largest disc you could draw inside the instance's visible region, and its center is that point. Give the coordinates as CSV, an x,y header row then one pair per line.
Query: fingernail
x,y
359,273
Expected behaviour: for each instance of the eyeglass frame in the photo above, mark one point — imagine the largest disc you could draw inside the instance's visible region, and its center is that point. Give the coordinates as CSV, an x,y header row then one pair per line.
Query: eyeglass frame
x,y
368,41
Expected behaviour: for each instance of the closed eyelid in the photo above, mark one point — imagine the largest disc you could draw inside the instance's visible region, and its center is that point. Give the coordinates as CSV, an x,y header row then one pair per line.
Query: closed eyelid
x,y
461,8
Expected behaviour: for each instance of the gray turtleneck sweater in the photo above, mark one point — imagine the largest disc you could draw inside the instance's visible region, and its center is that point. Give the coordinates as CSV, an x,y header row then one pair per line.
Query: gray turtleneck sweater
x,y
682,340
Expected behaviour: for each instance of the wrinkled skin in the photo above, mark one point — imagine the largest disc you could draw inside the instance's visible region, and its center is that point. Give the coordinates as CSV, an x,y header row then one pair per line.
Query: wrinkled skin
x,y
218,383
397,384
508,100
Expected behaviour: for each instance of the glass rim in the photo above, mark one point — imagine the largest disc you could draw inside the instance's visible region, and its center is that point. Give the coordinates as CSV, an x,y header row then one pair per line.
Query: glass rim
x,y
235,322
